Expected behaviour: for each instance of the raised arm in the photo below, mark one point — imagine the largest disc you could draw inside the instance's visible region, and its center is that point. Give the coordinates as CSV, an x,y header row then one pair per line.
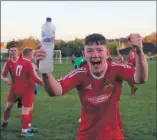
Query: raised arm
x,y
49,82
64,84
141,72
57,87
51,85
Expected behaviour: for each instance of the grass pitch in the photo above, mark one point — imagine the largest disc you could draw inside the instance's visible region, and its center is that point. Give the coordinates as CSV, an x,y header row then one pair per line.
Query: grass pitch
x,y
57,117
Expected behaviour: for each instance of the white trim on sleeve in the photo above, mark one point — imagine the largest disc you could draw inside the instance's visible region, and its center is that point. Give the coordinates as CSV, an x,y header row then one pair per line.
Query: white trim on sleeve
x,y
61,90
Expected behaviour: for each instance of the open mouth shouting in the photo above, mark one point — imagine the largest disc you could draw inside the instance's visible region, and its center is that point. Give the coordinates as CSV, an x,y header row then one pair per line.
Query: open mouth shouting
x,y
96,65
95,62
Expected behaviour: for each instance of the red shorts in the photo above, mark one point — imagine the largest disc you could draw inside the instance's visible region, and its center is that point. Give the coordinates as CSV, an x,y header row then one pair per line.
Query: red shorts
x,y
28,99
11,95
27,95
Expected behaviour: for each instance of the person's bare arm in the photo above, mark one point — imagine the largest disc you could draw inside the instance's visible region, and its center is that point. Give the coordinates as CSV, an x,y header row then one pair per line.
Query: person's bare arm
x,y
141,73
51,85
62,85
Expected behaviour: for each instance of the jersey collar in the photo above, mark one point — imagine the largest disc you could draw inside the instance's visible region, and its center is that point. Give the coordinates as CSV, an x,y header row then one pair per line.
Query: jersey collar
x,y
95,77
26,59
14,61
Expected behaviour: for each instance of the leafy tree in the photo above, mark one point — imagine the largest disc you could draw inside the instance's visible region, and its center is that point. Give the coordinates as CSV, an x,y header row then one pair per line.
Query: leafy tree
x,y
113,47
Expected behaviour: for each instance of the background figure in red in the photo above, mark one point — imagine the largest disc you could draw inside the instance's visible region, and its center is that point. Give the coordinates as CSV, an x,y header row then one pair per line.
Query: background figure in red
x,y
25,80
9,67
132,63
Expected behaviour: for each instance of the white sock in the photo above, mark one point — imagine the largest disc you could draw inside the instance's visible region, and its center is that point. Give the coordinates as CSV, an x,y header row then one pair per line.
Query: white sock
x,y
29,125
24,130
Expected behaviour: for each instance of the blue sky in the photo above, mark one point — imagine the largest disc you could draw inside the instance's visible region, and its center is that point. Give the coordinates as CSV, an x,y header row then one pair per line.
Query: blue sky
x,y
77,19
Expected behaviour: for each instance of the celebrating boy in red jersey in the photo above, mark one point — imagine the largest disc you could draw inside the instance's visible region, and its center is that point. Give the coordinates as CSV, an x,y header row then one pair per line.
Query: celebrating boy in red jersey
x,y
100,87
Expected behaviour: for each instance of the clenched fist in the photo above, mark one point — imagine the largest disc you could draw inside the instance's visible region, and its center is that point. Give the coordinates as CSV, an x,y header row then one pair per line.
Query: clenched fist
x,y
39,54
135,40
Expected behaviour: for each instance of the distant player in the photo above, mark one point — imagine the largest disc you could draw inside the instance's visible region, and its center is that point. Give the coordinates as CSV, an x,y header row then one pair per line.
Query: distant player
x,y
132,63
18,99
9,67
131,59
25,79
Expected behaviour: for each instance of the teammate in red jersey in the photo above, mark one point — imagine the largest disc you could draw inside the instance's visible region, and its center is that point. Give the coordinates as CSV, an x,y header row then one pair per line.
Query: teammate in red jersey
x,y
9,67
100,87
132,63
131,59
25,80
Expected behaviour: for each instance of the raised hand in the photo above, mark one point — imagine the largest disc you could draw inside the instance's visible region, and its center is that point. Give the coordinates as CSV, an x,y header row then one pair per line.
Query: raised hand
x,y
135,40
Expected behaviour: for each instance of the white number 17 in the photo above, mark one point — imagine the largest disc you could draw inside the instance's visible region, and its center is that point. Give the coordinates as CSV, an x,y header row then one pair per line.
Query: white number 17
x,y
18,70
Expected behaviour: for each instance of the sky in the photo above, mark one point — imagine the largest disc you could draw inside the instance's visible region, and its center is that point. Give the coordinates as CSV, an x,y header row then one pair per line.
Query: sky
x,y
113,19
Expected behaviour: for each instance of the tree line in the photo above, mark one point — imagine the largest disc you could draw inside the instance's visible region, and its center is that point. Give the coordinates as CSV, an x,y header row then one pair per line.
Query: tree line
x,y
75,47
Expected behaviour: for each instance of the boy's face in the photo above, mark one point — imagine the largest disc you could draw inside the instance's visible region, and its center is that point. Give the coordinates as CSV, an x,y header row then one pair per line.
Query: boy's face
x,y
13,52
96,56
131,54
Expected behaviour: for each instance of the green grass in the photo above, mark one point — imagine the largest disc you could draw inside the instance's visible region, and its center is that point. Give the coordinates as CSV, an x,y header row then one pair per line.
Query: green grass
x,y
57,117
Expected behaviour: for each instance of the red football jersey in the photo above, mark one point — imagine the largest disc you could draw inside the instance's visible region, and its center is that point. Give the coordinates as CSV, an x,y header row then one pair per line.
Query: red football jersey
x,y
121,59
99,98
25,77
9,66
132,61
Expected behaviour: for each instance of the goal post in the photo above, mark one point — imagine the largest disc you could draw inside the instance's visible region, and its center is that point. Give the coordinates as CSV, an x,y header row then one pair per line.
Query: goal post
x,y
57,56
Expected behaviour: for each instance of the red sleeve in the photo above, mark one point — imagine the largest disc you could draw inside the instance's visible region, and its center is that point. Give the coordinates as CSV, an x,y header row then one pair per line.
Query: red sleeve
x,y
5,70
124,72
71,80
121,60
33,74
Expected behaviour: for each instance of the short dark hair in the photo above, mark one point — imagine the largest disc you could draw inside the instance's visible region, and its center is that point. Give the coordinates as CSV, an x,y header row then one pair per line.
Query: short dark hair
x,y
95,38
27,51
12,46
